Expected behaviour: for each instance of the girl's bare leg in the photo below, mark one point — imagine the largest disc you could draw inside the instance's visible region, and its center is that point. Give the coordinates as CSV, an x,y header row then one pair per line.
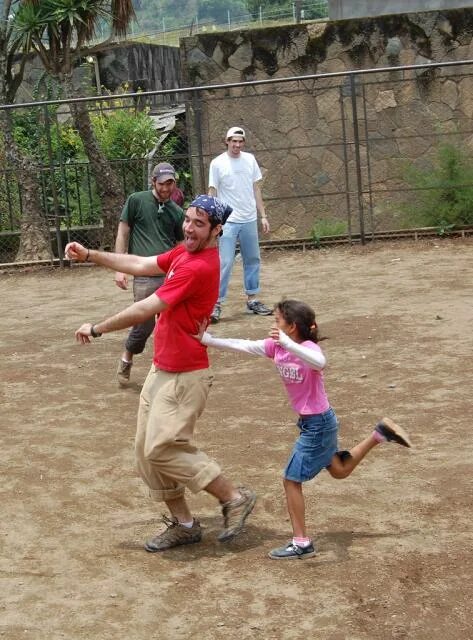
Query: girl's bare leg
x,y
342,467
343,463
295,507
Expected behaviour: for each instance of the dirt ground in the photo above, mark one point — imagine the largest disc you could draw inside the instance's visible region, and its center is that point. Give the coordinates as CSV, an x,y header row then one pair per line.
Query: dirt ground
x,y
394,540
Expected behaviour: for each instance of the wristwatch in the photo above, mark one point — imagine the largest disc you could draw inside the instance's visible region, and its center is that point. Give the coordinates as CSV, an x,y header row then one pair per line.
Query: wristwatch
x,y
93,333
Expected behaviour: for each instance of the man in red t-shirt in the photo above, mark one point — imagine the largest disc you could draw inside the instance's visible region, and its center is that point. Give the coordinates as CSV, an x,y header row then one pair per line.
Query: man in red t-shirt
x,y
176,389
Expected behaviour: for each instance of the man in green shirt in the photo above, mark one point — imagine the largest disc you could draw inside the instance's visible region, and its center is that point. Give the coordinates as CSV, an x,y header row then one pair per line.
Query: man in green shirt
x,y
150,224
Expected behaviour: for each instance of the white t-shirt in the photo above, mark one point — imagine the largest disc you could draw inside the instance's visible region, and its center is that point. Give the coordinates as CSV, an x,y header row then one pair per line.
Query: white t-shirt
x,y
233,178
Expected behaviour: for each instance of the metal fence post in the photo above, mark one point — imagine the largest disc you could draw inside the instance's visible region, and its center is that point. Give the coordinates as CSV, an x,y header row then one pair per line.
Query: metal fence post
x,y
57,217
345,162
198,181
356,140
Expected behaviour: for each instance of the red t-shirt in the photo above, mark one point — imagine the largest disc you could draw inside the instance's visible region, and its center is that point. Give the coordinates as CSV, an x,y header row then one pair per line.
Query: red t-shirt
x,y
190,289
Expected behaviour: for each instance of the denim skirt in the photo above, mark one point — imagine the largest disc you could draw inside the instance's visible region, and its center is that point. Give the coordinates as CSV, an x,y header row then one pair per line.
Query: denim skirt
x,y
315,446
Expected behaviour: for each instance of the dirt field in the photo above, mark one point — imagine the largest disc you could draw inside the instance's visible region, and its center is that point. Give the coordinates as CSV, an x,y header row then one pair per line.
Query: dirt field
x,y
394,540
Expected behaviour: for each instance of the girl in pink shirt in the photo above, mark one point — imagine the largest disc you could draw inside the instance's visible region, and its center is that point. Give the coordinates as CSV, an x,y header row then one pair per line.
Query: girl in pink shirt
x,y
293,347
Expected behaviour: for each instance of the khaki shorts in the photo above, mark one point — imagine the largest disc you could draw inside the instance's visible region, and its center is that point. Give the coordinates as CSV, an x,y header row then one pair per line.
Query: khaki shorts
x,y
167,459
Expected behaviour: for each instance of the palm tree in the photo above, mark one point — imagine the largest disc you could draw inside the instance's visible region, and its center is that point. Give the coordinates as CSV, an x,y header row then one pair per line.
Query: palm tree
x,y
59,31
34,232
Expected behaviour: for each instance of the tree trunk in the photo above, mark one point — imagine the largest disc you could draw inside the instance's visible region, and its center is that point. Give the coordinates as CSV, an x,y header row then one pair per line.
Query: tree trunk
x,y
35,237
108,184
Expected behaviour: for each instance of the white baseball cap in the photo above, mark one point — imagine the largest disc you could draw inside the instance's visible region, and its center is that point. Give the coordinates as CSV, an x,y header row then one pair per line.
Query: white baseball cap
x,y
235,131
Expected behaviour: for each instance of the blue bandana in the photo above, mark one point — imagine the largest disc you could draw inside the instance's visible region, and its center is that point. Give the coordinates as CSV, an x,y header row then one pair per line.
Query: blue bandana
x,y
217,210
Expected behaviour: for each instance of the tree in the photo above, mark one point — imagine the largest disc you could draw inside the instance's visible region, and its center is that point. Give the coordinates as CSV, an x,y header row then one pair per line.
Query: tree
x,y
34,232
59,32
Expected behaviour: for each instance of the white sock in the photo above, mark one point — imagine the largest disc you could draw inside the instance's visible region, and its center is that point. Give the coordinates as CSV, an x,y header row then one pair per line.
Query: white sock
x,y
187,525
301,542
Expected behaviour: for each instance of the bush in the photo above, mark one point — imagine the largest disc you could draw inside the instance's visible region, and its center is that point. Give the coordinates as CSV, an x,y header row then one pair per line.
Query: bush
x,y
327,227
125,133
443,189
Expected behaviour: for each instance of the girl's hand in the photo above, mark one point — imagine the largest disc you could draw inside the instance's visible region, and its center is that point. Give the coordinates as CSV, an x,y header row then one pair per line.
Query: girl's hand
x,y
274,334
202,326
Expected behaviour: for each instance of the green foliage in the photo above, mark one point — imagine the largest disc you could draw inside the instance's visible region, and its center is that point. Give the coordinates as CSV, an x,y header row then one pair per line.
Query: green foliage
x,y
174,150
124,133
56,27
442,193
181,14
218,11
327,227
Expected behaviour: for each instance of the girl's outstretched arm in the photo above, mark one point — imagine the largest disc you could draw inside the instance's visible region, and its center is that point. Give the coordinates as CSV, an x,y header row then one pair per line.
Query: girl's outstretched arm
x,y
254,347
314,358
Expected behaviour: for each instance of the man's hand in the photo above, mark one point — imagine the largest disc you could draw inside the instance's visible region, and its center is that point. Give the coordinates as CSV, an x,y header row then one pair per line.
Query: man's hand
x,y
83,334
265,225
75,251
121,280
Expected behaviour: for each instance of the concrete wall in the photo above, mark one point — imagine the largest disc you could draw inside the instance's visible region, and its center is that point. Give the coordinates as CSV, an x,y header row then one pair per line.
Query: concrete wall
x,y
140,66
143,67
343,9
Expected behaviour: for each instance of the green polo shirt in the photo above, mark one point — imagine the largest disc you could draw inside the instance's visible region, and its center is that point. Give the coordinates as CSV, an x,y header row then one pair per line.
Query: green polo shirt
x,y
154,227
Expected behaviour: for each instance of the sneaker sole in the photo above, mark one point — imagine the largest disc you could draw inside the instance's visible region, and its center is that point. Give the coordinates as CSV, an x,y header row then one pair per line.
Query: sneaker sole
x,y
311,554
173,546
396,432
255,313
225,537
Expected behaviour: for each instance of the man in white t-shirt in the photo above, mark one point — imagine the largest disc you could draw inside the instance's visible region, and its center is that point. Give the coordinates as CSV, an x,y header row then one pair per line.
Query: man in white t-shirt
x,y
235,177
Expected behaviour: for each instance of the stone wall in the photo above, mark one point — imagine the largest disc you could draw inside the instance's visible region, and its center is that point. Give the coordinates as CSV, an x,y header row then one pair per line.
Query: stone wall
x,y
303,132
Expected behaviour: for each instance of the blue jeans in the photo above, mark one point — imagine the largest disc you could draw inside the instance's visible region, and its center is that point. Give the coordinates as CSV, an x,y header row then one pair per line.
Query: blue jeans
x,y
143,286
246,233
315,446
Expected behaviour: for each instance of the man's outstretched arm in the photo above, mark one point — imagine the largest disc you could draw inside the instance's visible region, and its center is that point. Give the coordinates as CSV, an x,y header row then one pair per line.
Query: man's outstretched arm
x,y
126,263
137,313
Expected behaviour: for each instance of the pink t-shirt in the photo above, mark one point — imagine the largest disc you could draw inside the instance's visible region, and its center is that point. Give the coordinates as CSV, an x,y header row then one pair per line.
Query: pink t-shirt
x,y
305,386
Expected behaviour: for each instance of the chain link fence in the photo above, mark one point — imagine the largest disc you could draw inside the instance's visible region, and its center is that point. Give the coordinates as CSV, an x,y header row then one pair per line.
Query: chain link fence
x,y
351,155
168,31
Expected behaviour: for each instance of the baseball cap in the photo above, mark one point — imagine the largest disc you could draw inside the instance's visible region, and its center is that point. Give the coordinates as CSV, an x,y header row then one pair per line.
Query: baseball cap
x,y
164,171
216,209
235,131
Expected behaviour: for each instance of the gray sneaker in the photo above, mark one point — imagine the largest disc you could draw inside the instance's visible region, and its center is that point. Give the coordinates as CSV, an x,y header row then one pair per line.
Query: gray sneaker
x,y
174,535
392,432
257,307
235,514
292,552
216,313
123,372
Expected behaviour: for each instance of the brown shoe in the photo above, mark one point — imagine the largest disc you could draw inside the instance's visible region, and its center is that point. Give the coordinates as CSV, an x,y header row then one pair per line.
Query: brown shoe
x,y
392,432
174,535
235,514
123,372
